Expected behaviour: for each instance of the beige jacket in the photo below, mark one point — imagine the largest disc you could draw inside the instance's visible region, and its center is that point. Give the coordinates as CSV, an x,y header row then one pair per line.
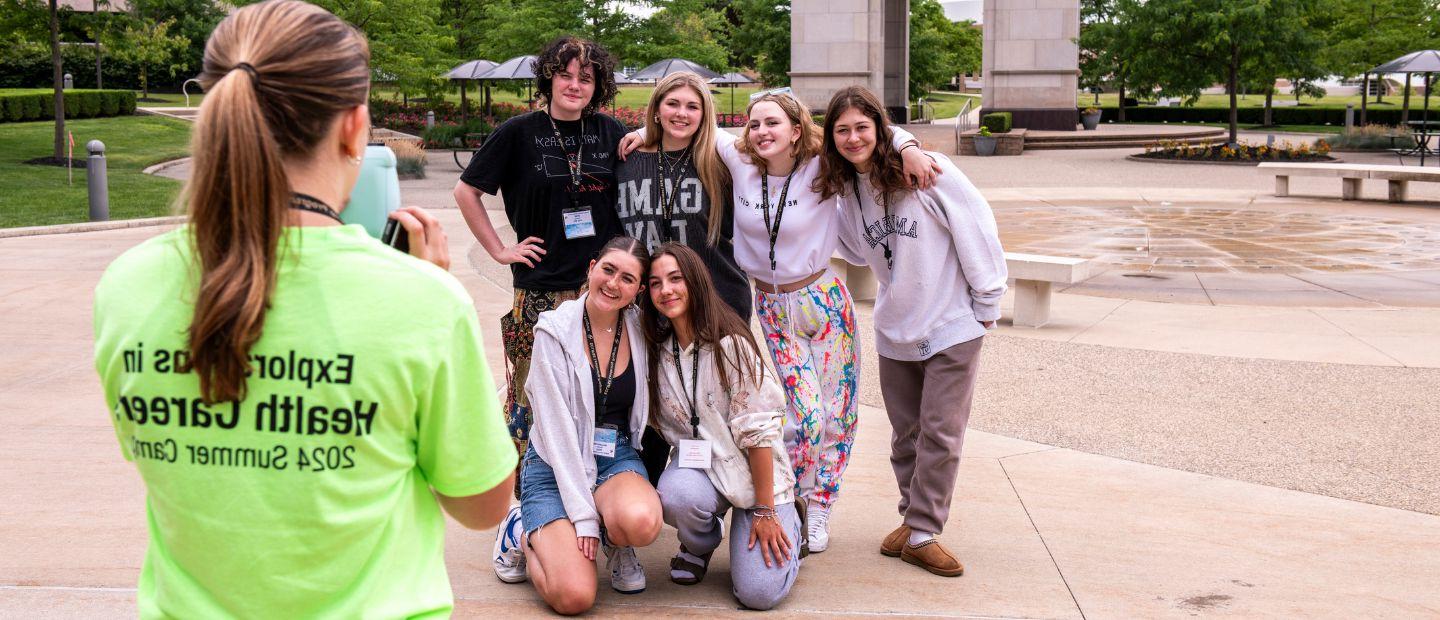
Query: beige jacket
x,y
734,419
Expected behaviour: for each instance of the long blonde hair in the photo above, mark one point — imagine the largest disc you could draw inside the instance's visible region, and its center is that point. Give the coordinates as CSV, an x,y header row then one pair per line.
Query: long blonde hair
x,y
276,74
810,134
713,173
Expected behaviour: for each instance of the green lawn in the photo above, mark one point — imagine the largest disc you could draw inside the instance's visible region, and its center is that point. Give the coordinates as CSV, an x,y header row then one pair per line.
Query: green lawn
x,y
171,100
1258,101
1325,129
39,195
947,104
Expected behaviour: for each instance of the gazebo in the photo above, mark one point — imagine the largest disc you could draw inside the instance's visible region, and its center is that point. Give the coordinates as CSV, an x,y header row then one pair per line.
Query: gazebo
x,y
517,68
1424,61
671,65
471,71
731,80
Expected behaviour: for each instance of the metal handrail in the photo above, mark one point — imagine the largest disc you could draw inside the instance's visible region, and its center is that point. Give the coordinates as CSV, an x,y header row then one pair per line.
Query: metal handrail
x,y
186,92
962,120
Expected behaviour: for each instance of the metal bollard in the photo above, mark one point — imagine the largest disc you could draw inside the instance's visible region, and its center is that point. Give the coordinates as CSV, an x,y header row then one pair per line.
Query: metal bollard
x,y
95,177
1349,118
69,81
430,119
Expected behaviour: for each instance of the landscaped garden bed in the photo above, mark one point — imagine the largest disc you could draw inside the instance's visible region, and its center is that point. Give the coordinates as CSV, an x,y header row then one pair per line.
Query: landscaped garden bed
x,y
1242,153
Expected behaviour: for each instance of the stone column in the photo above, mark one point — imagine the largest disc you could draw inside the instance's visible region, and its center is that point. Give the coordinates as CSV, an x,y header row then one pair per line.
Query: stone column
x,y
1031,62
839,43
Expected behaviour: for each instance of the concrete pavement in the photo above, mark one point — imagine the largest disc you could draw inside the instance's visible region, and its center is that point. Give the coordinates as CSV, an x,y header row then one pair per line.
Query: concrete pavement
x,y
1045,532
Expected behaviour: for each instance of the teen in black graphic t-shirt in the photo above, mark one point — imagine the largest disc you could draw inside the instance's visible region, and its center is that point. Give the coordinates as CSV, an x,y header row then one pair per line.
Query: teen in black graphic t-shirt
x,y
525,164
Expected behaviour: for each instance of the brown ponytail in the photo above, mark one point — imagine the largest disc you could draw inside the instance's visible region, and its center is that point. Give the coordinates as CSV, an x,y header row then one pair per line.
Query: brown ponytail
x,y
276,75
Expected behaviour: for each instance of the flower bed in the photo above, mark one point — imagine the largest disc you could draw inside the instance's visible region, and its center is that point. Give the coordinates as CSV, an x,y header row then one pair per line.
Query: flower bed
x,y
1243,152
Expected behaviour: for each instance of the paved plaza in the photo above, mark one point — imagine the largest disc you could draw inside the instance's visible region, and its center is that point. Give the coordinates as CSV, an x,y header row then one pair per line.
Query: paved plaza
x,y
1252,433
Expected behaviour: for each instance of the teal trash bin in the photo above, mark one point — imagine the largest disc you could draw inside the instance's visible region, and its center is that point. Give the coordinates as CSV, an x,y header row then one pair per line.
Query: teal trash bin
x,y
376,193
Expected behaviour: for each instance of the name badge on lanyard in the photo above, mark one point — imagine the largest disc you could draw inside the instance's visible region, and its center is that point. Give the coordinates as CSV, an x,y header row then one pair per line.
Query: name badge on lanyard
x,y
694,454
579,223
606,438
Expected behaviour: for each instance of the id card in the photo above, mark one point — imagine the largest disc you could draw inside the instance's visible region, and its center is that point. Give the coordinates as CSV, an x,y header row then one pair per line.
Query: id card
x,y
694,454
605,440
579,223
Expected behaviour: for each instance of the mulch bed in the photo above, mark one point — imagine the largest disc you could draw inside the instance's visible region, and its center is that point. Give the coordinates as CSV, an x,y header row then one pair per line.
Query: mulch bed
x,y
61,162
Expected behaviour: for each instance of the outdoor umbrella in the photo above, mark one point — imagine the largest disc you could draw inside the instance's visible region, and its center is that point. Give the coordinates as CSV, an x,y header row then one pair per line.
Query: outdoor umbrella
x,y
1424,61
671,65
731,79
465,72
621,78
517,68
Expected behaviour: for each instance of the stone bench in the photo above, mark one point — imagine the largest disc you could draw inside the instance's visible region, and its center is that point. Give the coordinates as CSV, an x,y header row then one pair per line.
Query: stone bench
x,y
1351,176
1034,275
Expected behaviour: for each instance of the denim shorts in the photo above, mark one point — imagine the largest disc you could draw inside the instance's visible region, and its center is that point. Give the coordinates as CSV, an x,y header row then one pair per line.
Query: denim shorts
x,y
540,502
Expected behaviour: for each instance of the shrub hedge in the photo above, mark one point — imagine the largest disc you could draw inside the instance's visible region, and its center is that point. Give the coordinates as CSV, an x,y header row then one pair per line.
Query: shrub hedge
x,y
1253,116
998,122
40,106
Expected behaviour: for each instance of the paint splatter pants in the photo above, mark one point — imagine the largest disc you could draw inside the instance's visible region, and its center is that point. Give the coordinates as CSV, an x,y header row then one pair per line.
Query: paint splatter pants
x,y
811,337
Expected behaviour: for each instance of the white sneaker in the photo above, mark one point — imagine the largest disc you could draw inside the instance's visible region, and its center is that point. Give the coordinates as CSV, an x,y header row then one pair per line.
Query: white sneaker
x,y
509,556
627,576
819,521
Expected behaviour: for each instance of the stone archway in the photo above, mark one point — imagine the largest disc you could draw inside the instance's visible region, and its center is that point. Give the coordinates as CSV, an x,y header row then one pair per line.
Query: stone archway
x,y
1030,58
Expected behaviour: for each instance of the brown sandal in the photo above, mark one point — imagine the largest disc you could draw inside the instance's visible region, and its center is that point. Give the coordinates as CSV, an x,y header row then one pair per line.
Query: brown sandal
x,y
678,563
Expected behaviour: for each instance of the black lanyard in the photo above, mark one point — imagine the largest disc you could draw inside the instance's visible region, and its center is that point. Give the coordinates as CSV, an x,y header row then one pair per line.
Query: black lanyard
x,y
885,206
779,210
306,202
609,376
572,160
694,380
667,203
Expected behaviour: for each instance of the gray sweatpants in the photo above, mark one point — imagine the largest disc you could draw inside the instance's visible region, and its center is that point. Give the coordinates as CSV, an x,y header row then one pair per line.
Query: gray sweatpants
x,y
929,405
696,510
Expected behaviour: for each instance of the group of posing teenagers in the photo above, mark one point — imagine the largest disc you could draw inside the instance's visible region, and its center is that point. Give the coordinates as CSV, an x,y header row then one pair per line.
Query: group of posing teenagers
x,y
636,391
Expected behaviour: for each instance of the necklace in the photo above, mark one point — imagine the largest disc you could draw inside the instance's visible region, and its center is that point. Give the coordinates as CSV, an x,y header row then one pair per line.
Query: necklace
x,y
885,207
306,202
667,202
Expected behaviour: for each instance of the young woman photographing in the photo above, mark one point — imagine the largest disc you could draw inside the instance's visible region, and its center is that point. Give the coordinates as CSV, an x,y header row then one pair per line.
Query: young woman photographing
x,y
941,272
674,188
256,509
555,170
785,234
583,484
723,409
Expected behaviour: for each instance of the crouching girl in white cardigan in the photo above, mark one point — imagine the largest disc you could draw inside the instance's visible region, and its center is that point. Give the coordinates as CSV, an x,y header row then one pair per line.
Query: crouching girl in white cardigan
x,y
722,409
589,388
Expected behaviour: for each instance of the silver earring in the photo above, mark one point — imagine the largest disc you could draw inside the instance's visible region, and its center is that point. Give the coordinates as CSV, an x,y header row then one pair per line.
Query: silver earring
x,y
355,160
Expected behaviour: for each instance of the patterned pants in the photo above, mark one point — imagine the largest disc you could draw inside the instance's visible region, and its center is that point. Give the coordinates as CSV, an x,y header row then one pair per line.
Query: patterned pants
x,y
517,333
811,337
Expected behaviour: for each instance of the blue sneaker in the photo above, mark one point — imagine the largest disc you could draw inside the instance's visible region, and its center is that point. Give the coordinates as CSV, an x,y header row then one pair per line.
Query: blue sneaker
x,y
509,557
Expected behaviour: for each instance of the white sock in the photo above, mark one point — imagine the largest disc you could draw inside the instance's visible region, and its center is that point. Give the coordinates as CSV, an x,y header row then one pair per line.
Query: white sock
x,y
917,537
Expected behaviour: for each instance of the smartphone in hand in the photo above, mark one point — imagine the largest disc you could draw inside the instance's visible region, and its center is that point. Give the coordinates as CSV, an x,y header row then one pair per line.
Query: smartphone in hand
x,y
395,236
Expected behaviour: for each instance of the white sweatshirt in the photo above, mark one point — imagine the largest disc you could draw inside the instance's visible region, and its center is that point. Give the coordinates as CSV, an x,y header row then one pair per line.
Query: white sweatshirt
x,y
562,397
949,269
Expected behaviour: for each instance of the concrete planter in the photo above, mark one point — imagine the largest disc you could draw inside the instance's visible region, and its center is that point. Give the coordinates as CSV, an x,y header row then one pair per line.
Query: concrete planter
x,y
1090,121
985,145
1009,143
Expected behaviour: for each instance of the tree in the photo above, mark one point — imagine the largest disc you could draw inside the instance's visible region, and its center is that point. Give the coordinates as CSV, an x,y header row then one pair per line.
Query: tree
x,y
1360,34
939,48
1105,42
1186,46
762,40
686,29
149,46
59,83
192,19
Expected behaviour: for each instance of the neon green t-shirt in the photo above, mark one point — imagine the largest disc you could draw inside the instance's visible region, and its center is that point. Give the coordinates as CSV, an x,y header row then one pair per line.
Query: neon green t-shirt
x,y
311,497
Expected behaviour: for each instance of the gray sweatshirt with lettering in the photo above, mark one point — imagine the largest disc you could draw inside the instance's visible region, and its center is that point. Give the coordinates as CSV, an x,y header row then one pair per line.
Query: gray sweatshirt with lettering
x,y
949,269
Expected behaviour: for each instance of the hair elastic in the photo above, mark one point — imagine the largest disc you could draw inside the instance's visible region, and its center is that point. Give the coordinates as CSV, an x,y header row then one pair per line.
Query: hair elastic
x,y
248,68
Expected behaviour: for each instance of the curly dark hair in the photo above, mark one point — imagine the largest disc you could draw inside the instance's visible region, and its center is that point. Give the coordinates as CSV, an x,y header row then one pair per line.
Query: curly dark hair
x,y
558,54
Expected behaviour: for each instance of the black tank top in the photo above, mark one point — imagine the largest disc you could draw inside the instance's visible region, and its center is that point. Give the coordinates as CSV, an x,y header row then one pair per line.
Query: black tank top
x,y
621,399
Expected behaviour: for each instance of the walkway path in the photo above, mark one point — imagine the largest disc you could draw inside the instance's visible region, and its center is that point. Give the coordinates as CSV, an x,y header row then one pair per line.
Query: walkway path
x,y
1232,406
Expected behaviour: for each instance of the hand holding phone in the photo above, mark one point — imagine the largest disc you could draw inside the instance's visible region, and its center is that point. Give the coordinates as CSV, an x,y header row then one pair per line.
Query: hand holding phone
x,y
422,237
